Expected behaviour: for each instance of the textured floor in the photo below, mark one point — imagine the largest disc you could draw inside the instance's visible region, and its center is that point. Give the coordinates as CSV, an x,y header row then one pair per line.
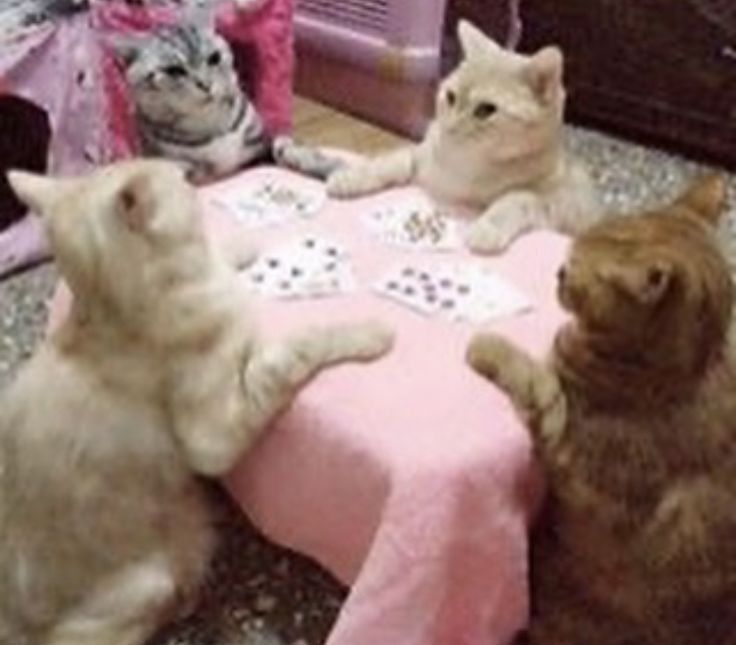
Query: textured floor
x,y
258,594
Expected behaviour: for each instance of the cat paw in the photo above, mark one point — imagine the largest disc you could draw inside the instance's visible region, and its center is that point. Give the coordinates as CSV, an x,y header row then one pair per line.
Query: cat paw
x,y
488,353
349,182
198,175
308,160
369,340
487,240
241,257
237,249
280,148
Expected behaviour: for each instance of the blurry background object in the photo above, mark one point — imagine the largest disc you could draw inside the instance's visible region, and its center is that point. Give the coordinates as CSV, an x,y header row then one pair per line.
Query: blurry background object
x,y
378,59
657,71
25,133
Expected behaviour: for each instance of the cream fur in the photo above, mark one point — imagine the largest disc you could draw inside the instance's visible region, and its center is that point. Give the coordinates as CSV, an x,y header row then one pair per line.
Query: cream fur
x,y
156,375
510,166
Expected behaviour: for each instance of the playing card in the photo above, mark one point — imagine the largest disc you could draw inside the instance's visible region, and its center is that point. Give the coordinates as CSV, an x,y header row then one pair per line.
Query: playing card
x,y
272,201
414,223
311,266
411,286
484,296
465,293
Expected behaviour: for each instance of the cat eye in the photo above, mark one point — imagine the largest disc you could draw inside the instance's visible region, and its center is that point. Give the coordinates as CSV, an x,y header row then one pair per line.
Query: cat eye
x,y
128,200
451,98
484,110
215,59
175,71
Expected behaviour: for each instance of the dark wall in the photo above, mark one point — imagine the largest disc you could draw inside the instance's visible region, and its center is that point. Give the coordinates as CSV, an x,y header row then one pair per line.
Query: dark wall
x,y
658,71
493,16
25,133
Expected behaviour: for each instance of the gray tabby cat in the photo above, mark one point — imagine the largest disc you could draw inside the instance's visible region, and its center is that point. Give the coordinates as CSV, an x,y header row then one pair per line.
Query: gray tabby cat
x,y
20,16
191,109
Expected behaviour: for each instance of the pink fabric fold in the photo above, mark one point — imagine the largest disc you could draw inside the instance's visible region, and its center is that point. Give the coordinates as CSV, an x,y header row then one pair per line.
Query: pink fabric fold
x,y
269,32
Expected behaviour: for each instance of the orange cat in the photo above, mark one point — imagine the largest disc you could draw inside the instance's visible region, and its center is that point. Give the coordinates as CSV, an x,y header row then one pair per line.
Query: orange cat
x,y
634,422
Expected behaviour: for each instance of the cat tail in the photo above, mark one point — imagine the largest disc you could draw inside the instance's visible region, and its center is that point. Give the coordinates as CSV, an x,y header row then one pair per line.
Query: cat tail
x,y
308,160
534,388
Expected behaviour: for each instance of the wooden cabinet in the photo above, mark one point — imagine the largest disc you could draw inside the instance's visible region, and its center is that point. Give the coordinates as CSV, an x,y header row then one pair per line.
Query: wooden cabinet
x,y
661,71
658,71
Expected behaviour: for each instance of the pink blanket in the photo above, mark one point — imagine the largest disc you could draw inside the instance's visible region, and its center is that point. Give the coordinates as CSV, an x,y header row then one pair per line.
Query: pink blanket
x,y
410,479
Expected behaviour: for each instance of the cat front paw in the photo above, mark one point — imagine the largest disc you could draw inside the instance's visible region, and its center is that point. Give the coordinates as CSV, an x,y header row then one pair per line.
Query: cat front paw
x,y
198,174
236,248
486,239
240,256
489,353
369,340
350,181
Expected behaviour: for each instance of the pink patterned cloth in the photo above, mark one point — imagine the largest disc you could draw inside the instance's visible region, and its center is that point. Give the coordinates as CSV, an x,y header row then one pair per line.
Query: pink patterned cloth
x,y
270,32
410,478
67,68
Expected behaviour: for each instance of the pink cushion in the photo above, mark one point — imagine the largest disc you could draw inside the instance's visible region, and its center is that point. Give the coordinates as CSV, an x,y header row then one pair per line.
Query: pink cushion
x,y
410,478
270,30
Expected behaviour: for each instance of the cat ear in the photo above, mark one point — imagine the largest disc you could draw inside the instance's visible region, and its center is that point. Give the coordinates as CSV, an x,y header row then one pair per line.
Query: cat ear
x,y
38,192
543,72
474,43
126,49
648,283
135,204
706,197
201,14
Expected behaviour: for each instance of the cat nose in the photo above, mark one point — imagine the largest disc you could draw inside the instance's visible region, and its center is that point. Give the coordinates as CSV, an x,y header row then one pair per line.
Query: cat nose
x,y
455,125
204,86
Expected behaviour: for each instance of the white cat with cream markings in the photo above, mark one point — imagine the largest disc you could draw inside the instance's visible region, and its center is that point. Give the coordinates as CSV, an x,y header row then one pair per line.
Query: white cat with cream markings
x,y
495,146
191,109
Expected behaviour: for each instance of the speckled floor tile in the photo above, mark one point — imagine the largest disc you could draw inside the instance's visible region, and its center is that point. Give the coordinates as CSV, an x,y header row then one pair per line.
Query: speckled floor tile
x,y
258,594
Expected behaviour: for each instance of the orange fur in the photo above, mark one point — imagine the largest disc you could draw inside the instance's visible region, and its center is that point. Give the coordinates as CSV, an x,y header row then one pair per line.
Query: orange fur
x,y
651,298
634,422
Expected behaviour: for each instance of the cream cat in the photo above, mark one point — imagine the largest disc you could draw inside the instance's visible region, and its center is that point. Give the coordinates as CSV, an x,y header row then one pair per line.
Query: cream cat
x,y
495,146
156,376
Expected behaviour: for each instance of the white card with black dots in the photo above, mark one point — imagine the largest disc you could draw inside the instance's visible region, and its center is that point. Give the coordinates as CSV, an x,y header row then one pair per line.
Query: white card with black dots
x,y
270,202
461,293
416,224
308,267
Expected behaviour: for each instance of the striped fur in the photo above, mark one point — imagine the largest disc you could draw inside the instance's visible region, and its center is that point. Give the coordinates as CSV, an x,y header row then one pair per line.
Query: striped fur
x,y
191,109
18,17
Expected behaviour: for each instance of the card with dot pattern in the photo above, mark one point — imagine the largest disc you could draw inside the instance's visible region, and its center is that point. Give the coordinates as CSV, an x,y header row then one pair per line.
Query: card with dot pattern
x,y
416,224
460,293
311,266
270,202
